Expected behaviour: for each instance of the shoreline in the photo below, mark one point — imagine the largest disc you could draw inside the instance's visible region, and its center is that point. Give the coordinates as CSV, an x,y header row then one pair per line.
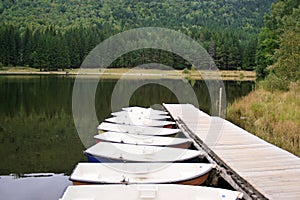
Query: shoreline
x,y
116,73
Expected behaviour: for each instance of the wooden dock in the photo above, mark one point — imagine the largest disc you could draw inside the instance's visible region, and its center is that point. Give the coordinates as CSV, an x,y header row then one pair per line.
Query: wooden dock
x,y
251,165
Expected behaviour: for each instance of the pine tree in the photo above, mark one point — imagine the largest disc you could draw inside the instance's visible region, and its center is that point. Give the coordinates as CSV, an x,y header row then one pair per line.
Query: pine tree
x,y
27,47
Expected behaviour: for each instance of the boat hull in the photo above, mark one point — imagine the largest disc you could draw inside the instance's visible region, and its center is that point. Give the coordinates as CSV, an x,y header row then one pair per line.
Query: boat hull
x,y
185,145
149,191
146,134
126,138
139,115
195,181
141,122
116,152
141,173
141,110
99,159
138,130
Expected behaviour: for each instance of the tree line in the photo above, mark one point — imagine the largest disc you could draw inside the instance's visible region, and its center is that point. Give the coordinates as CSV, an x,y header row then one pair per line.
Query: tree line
x,y
52,49
45,49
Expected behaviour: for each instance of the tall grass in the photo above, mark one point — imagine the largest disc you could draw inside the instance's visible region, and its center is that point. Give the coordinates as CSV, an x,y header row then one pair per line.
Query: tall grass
x,y
273,116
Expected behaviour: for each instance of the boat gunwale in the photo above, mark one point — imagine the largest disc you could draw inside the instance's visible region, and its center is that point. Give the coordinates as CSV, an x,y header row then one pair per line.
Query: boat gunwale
x,y
181,181
180,141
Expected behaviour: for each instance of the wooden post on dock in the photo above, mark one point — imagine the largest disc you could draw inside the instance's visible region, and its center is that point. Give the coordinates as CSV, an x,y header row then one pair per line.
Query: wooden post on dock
x,y
220,102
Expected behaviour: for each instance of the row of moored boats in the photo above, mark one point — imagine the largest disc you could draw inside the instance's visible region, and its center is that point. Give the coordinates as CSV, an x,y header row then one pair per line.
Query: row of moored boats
x,y
137,155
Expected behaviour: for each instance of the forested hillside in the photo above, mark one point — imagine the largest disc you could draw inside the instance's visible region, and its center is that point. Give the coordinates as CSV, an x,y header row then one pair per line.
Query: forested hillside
x,y
59,33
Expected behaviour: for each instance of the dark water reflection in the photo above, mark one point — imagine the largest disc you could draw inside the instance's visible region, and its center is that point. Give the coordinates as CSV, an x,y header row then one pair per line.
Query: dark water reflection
x,y
37,132
33,188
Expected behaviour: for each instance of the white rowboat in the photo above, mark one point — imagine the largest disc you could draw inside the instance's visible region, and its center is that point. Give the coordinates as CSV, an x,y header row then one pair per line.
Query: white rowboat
x,y
126,138
115,152
148,191
147,111
137,121
141,173
139,130
139,115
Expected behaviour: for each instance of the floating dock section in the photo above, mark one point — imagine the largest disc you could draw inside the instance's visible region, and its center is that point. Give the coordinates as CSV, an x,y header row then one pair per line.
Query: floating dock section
x,y
249,164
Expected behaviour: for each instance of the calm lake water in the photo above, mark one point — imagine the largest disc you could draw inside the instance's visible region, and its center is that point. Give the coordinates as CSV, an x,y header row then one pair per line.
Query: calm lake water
x,y
37,131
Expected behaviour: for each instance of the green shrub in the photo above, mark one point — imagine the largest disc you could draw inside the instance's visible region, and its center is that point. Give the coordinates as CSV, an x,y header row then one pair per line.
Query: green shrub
x,y
193,68
273,83
186,71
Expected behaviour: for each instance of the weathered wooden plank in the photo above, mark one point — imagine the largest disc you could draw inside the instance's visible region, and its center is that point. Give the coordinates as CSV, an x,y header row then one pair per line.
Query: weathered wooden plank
x,y
273,174
259,152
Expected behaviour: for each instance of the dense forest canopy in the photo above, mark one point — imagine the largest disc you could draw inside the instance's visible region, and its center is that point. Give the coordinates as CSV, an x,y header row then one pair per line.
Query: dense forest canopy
x,y
278,53
59,33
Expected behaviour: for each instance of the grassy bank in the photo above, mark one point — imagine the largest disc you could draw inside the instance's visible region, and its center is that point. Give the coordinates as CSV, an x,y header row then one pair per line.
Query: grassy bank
x,y
139,73
274,116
